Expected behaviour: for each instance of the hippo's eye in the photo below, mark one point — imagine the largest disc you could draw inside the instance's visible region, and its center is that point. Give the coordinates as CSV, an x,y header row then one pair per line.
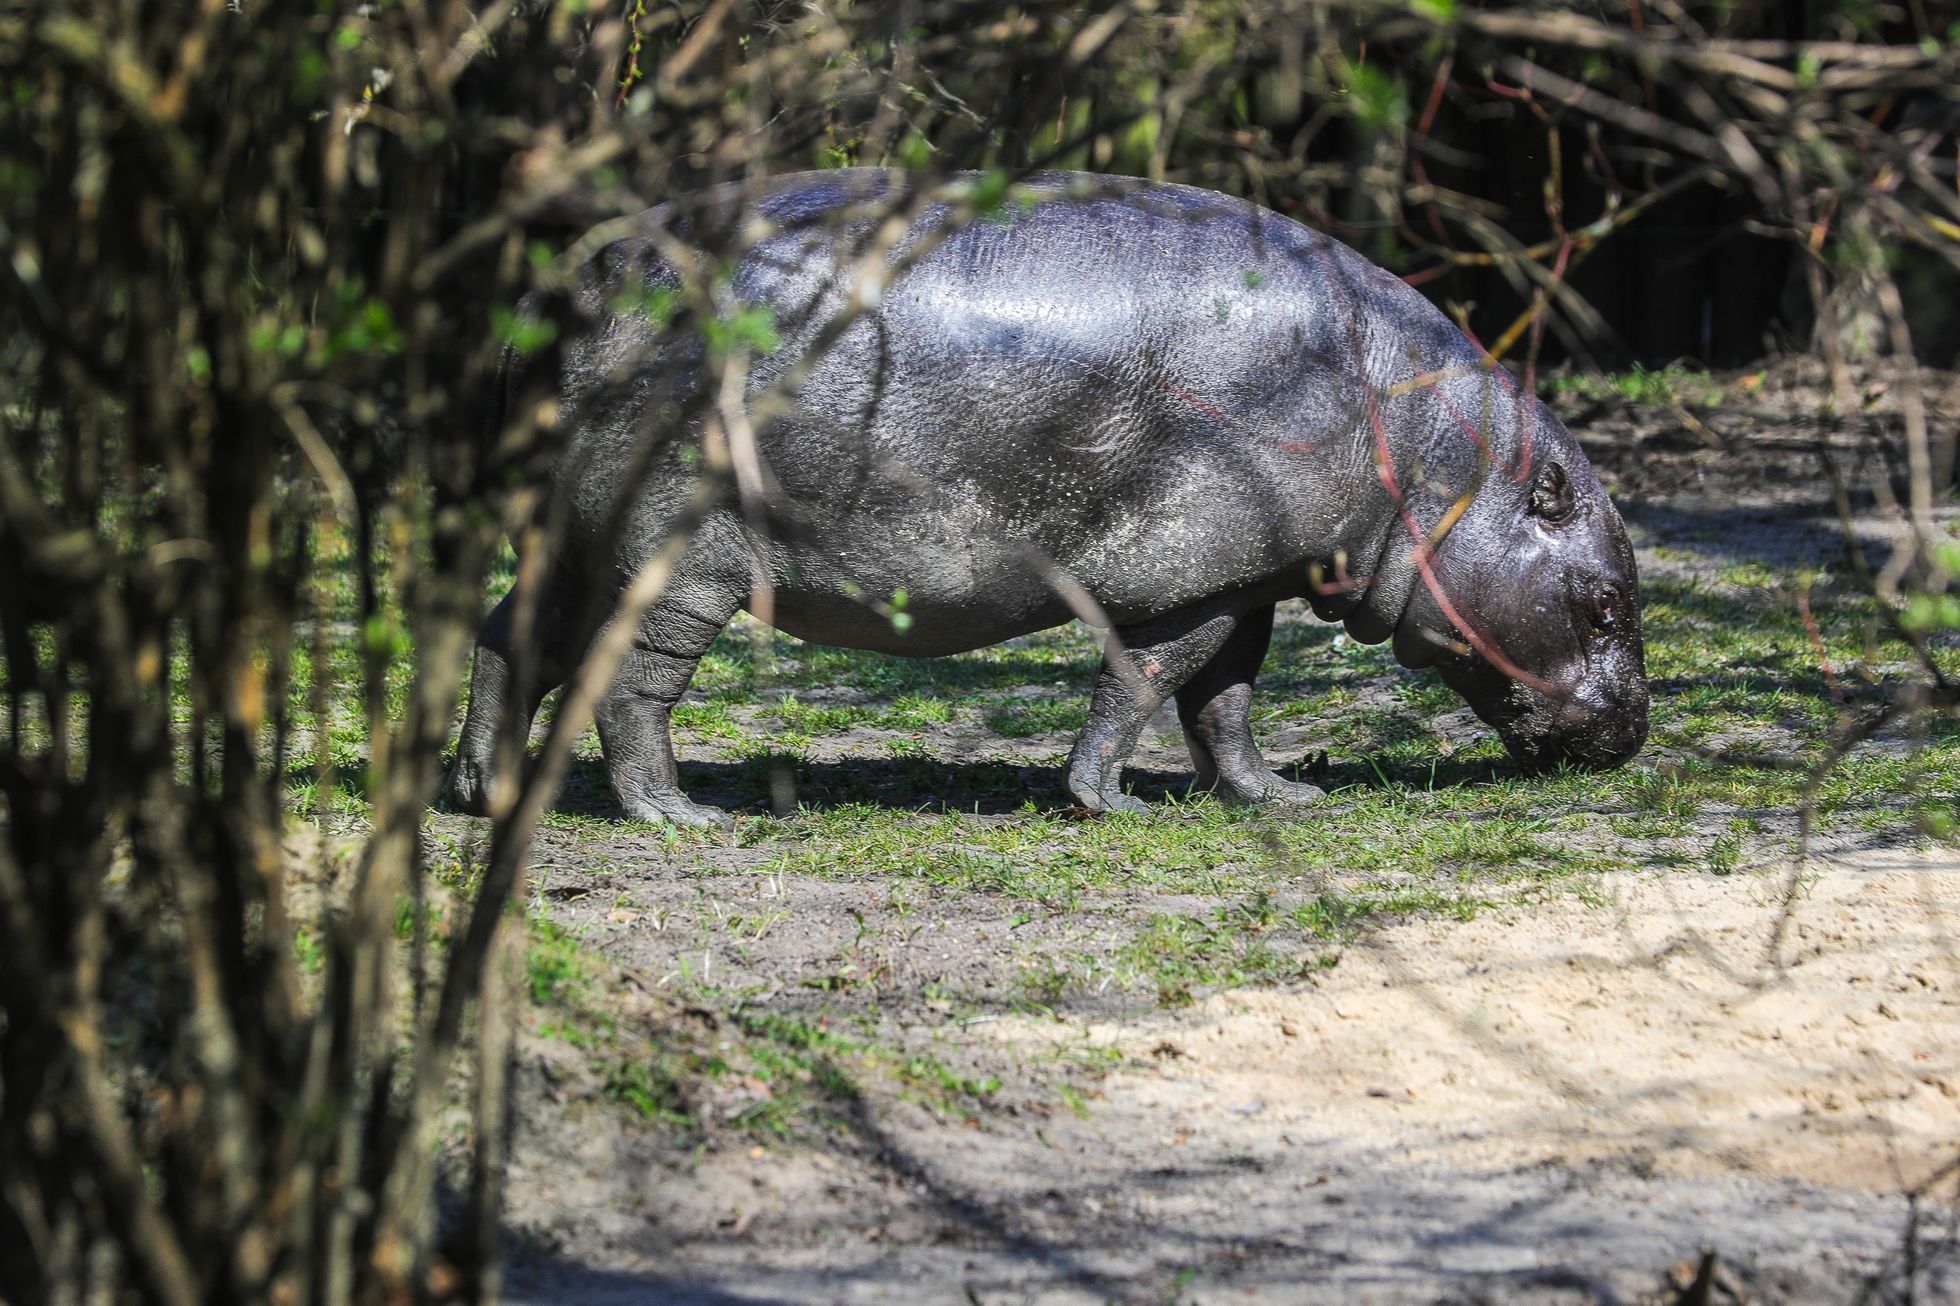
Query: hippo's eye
x,y
1551,494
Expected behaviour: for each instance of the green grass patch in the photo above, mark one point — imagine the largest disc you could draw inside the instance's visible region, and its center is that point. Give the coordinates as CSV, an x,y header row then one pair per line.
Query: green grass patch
x,y
1647,388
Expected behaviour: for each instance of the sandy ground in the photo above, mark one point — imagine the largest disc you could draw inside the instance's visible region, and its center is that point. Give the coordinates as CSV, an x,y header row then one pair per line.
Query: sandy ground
x,y
1788,1026
1553,1103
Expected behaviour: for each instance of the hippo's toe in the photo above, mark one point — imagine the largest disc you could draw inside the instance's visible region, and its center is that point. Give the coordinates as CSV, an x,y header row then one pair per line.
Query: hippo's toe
x,y
1267,790
1289,793
676,808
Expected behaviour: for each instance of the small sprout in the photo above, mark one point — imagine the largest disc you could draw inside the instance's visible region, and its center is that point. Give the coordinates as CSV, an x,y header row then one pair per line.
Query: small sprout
x,y
1946,556
915,151
1927,612
753,327
989,190
526,335
1373,97
655,304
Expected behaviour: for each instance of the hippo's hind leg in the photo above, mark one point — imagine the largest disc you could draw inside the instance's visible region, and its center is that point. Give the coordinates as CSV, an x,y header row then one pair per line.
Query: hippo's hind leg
x,y
1215,706
495,715
1159,657
633,715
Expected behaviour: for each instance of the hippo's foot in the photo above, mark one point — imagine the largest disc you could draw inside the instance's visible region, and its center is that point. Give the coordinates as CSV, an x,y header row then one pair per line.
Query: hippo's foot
x,y
675,807
1116,803
1107,798
469,787
1266,790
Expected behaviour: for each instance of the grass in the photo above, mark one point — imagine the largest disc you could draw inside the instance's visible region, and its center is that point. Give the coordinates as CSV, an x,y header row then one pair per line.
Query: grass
x,y
1643,387
1417,822
930,791
767,1074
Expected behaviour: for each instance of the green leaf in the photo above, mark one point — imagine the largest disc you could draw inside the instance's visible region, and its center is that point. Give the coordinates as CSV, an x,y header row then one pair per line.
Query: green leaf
x,y
1373,97
915,151
385,638
989,190
655,304
1929,612
753,327
527,335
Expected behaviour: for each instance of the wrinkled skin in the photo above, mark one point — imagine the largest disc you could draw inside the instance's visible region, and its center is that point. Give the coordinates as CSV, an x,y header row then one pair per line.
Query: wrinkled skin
x,y
1191,407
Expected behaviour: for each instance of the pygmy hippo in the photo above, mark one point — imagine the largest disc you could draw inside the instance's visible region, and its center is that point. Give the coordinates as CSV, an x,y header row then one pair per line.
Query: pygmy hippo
x,y
1148,405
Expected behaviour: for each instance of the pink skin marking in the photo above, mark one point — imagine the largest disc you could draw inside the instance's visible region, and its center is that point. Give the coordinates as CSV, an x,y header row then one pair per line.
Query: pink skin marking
x,y
1523,469
1224,419
1176,391
1476,638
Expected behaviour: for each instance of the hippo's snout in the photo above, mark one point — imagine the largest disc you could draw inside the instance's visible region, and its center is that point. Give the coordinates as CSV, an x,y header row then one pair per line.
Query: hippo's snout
x,y
1596,734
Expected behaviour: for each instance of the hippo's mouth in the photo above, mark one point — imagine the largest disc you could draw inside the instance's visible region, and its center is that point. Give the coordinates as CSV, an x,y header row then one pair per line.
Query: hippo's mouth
x,y
1592,726
1598,750
1586,729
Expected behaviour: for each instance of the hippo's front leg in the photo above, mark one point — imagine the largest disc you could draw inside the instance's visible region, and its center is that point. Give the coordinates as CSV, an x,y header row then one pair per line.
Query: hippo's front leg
x,y
633,715
1161,656
500,712
1215,707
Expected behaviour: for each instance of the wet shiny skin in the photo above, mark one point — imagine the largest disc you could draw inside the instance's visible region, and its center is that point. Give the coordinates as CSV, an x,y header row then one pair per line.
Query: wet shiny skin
x,y
1189,406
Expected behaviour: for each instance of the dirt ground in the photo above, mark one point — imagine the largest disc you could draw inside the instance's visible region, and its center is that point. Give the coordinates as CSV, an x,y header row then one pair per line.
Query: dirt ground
x,y
1574,1096
1554,1103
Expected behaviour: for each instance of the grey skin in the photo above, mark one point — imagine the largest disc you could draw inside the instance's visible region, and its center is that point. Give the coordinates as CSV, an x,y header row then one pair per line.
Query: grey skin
x,y
1190,407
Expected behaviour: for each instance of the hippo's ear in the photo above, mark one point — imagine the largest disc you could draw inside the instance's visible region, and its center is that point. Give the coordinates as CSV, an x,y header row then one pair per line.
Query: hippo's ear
x,y
1551,493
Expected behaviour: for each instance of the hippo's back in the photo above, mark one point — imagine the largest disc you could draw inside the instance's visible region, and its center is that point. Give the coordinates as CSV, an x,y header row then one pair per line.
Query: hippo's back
x,y
1160,390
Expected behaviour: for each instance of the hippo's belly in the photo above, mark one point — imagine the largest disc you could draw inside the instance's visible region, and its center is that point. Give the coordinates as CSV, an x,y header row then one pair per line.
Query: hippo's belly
x,y
919,592
923,574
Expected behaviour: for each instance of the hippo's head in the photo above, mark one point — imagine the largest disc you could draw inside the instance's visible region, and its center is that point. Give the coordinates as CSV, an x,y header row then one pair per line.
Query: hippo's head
x,y
1531,611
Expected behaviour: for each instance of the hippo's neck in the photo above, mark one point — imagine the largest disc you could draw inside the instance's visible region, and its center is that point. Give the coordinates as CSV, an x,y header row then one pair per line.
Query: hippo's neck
x,y
1450,457
1383,579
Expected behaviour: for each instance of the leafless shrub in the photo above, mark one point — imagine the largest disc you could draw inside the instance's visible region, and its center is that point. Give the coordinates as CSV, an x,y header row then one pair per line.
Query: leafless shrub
x,y
259,272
